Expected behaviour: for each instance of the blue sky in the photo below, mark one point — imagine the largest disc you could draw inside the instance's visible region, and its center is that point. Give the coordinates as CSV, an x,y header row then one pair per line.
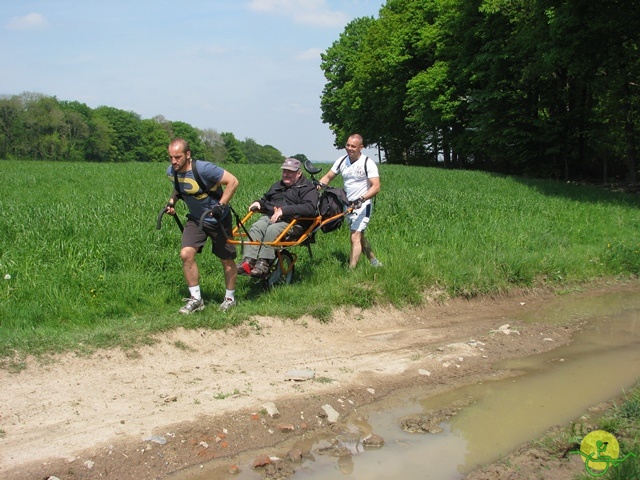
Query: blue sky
x,y
251,67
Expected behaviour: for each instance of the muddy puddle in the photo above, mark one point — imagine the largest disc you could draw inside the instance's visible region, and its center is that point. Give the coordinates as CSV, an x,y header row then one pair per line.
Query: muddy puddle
x,y
494,417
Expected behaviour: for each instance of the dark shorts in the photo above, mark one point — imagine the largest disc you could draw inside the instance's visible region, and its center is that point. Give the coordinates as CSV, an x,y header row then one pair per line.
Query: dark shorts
x,y
193,237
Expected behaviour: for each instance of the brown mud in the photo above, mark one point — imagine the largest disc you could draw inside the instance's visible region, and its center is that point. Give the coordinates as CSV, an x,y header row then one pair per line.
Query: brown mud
x,y
198,395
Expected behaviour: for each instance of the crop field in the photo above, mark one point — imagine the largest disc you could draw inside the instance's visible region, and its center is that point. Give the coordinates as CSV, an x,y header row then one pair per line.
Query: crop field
x,y
82,265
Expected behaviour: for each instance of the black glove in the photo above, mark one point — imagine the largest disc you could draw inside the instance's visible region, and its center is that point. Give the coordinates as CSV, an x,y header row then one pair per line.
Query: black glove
x,y
356,204
218,211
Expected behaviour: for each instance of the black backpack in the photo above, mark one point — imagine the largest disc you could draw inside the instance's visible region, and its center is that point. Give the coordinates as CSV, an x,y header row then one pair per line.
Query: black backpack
x,y
333,201
215,194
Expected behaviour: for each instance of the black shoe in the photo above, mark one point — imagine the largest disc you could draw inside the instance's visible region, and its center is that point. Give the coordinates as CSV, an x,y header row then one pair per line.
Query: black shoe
x,y
261,268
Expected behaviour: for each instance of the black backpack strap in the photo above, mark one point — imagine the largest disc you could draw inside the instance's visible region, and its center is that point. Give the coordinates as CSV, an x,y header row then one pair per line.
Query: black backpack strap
x,y
365,164
341,162
176,185
373,200
197,176
215,194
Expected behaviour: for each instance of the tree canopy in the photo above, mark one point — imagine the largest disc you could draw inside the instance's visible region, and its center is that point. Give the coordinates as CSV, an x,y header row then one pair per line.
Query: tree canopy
x,y
40,127
545,88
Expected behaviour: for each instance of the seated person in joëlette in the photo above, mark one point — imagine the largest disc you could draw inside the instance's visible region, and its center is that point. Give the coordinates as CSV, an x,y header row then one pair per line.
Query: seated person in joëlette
x,y
293,196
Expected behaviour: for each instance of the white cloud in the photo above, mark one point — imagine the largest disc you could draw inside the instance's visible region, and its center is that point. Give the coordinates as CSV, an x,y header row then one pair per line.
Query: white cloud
x,y
31,21
307,12
310,54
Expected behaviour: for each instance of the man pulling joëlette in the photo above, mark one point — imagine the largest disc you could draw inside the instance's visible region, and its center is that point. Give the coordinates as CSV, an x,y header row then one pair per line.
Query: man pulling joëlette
x,y
215,198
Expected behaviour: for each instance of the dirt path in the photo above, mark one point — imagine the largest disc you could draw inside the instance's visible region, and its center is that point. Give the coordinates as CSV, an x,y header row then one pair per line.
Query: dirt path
x,y
203,391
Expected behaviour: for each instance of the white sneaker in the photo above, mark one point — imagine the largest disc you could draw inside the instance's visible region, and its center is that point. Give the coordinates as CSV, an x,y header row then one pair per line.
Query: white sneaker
x,y
227,304
376,263
193,305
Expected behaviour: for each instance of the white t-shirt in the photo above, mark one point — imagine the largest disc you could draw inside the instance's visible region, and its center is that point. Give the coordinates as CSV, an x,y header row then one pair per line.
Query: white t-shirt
x,y
356,181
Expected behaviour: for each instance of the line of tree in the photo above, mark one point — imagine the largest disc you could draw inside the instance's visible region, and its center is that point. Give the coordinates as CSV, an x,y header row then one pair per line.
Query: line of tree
x,y
39,127
546,88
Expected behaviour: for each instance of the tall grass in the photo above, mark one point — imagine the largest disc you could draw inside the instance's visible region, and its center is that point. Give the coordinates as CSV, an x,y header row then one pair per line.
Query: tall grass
x,y
89,269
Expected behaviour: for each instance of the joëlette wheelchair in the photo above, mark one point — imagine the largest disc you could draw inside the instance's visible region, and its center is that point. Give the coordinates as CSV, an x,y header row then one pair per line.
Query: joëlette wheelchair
x,y
299,232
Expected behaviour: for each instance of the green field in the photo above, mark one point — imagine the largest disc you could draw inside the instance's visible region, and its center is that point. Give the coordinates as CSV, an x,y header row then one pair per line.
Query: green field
x,y
82,265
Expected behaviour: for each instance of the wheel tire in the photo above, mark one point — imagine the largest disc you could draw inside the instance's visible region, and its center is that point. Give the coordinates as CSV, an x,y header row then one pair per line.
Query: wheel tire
x,y
275,276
